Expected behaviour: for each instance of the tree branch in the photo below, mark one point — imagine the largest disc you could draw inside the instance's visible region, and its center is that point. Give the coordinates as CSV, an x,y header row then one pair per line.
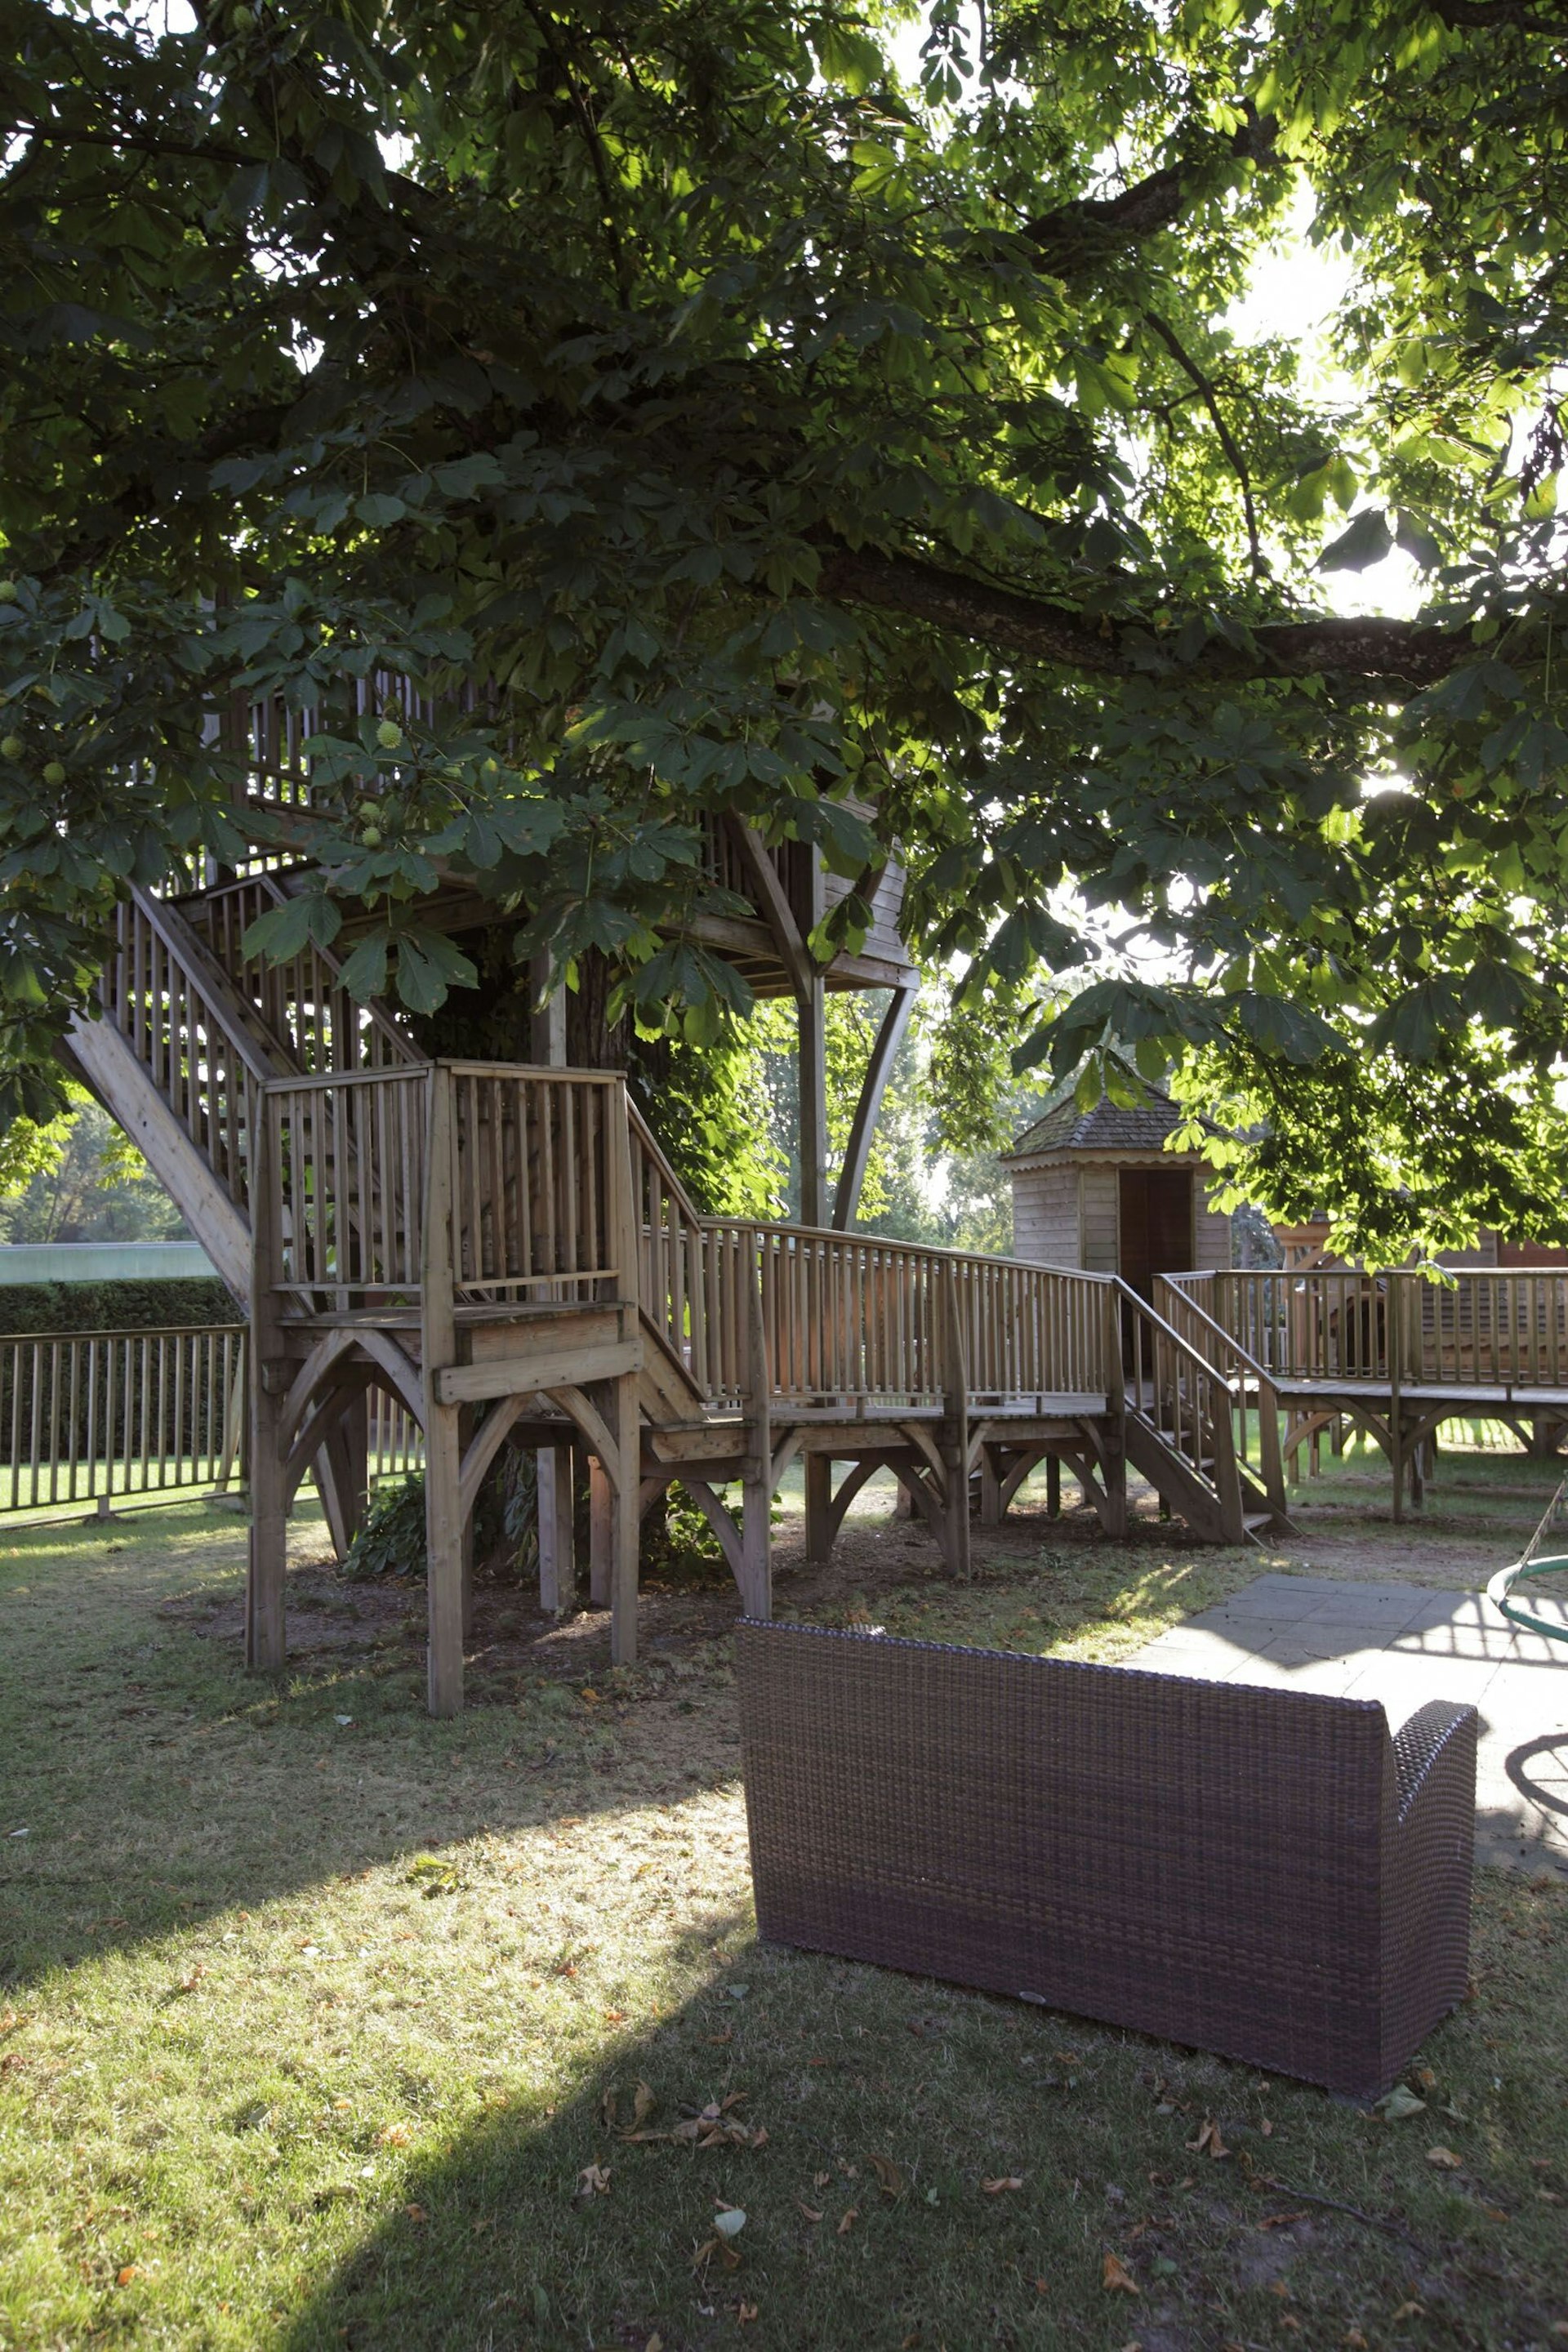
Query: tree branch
x,y
1077,236
1406,653
1227,441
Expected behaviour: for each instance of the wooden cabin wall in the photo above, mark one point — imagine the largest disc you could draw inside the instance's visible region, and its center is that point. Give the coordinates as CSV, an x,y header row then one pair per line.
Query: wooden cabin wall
x,y
1045,1227
1101,1220
1213,1236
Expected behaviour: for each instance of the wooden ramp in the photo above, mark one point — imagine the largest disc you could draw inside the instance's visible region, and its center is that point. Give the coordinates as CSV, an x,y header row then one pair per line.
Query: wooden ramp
x,y
505,1251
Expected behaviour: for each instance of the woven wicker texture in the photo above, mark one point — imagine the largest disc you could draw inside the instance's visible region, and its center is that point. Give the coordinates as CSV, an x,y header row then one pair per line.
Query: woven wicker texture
x,y
1264,1874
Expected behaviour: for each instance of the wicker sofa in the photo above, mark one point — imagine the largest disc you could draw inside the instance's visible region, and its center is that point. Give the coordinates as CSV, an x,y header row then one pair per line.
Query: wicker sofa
x,y
1266,1874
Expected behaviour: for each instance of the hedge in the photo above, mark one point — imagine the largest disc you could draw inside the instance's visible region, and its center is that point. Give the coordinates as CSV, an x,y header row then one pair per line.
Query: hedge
x,y
115,1305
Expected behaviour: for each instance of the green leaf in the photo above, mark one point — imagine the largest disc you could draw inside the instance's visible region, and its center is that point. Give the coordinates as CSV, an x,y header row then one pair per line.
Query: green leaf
x,y
1367,542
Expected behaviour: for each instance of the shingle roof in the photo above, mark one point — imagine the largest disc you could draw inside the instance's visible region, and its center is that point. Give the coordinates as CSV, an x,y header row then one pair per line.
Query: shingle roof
x,y
1109,1126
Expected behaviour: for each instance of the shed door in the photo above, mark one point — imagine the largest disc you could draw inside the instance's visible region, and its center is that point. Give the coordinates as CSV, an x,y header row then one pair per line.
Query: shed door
x,y
1156,1226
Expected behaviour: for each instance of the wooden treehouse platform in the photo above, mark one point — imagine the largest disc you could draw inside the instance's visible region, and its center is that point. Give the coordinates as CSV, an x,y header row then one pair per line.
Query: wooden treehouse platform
x,y
502,1250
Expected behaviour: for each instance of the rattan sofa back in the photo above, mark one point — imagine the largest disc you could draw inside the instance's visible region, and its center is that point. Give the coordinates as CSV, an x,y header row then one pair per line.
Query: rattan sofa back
x,y
1266,1874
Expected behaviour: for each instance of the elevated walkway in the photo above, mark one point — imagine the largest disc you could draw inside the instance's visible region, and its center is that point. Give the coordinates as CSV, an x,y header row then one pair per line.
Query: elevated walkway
x,y
505,1250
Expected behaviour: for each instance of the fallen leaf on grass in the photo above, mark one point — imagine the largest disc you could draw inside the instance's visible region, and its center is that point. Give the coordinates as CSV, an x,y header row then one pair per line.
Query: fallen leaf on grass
x,y
1407,2311
744,2311
1004,2181
708,2248
811,2212
1280,2220
1208,2140
1443,2159
1353,2338
132,2271
729,2222
416,2213
717,2040
1115,2276
890,2180
394,2136
655,2343
593,2181
643,2105
848,2224
820,2180
1398,2103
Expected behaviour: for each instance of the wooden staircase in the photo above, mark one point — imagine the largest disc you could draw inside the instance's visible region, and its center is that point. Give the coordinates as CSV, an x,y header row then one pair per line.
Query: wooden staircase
x,y
506,1251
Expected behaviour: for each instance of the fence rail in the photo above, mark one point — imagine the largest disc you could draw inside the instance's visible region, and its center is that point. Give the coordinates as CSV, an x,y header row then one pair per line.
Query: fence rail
x,y
853,1317
99,1418
1471,1328
93,1416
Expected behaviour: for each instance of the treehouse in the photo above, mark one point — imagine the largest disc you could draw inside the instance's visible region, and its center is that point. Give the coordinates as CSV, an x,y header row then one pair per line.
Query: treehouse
x,y
1101,1190
502,1249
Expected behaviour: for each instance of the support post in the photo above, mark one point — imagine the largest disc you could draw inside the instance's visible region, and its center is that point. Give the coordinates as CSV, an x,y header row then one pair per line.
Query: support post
x,y
625,1527
552,1464
757,1480
812,1068
626,1524
266,1639
601,1533
817,1472
1053,1487
1395,1405
443,1448
992,1506
878,1069
1114,1469
557,1569
952,1438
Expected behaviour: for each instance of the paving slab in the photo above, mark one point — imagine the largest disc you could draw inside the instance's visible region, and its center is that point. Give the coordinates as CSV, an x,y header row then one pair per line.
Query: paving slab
x,y
1405,1645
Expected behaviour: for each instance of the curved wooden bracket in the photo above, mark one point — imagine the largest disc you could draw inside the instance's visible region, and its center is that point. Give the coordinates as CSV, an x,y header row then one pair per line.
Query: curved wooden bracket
x,y
488,1443
721,1519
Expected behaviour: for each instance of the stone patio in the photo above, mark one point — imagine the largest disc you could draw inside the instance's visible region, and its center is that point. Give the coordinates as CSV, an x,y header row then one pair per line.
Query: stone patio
x,y
1405,1645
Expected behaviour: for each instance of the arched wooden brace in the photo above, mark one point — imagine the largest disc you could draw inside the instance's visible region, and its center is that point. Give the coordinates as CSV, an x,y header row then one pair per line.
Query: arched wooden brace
x,y
352,1378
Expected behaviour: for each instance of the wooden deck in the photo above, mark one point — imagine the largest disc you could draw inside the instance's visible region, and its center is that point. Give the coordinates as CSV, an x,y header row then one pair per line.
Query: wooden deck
x,y
503,1252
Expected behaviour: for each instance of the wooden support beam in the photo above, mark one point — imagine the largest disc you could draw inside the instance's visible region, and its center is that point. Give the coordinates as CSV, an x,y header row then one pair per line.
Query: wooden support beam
x,y
818,1471
626,1525
812,1065
878,1069
992,1504
134,1102
954,1429
757,1493
443,1438
772,901
601,1532
266,1639
557,1569
550,1368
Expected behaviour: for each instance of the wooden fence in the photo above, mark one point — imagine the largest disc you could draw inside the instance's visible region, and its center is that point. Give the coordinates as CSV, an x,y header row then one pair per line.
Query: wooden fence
x,y
97,1419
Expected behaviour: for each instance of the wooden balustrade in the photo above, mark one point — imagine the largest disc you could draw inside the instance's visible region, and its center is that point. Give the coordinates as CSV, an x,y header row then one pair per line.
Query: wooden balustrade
x,y
1180,1300
301,1002
851,1317
205,1070
535,1181
346,1160
1172,1385
1468,1327
97,1416
532,1183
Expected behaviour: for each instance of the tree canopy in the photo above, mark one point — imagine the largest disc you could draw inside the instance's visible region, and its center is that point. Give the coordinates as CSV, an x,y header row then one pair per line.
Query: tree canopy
x,y
759,428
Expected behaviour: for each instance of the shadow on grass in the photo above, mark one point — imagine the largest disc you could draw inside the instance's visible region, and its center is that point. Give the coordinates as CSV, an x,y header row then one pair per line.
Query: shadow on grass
x,y
149,1781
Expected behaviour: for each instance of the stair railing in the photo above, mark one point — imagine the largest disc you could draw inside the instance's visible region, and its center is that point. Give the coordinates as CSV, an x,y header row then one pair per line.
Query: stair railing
x,y
854,1318
1176,1392
302,1001
204,1060
1241,1372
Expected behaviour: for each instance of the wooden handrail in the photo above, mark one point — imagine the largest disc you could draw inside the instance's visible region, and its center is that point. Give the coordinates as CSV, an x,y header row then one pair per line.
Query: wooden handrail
x,y
1272,1455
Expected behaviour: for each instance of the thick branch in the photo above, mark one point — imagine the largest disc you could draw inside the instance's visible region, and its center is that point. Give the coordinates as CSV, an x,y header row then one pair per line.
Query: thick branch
x,y
1077,236
1406,654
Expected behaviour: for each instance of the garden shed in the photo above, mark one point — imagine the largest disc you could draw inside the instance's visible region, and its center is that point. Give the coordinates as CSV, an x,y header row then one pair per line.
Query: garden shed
x,y
1098,1189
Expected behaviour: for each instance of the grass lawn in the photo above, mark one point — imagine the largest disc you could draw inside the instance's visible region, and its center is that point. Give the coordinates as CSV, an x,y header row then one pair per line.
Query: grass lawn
x,y
325,2024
